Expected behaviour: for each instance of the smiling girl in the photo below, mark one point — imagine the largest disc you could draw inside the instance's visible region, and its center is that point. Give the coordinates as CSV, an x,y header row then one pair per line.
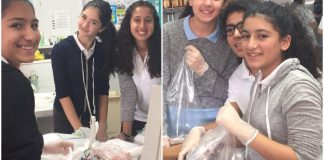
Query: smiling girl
x,y
139,46
81,66
284,118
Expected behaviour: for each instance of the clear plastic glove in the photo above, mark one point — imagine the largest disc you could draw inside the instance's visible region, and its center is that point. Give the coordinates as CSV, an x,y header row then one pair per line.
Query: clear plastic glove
x,y
57,147
195,60
191,141
166,142
101,134
82,132
230,119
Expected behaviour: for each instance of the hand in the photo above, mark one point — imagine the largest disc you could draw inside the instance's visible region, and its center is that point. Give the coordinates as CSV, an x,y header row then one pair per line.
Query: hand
x,y
166,142
57,147
230,119
191,141
195,60
101,134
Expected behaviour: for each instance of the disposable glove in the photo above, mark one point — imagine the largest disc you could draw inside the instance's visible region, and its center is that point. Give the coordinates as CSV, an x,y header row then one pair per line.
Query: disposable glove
x,y
191,141
57,147
166,142
101,134
230,119
82,132
195,60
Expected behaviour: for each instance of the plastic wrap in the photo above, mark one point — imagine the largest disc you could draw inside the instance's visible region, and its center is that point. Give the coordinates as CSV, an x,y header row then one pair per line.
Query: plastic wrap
x,y
184,109
217,144
180,96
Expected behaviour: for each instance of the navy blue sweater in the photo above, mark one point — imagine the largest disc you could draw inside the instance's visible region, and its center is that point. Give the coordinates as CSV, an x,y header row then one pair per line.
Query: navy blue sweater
x,y
21,138
67,70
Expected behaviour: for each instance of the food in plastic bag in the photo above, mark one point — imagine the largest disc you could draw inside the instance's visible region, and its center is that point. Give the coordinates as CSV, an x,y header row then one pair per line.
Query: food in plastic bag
x,y
217,144
110,152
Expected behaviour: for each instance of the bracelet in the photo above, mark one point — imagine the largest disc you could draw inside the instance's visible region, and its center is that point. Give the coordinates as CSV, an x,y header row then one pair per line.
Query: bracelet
x,y
128,138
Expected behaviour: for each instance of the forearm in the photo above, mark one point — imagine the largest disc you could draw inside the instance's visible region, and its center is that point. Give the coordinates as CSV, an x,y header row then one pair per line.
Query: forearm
x,y
70,112
210,126
103,108
127,127
270,149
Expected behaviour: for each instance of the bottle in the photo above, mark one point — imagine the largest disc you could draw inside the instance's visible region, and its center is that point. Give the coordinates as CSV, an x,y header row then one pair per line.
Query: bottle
x,y
33,78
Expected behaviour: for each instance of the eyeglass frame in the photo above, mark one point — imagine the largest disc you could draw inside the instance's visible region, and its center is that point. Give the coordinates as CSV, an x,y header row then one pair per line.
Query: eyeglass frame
x,y
238,26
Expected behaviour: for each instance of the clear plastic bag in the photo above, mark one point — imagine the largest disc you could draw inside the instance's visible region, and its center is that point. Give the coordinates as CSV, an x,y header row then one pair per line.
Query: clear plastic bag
x,y
217,144
184,110
180,95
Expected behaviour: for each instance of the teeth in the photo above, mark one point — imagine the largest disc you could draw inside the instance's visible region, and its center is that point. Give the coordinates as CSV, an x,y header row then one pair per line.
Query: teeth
x,y
25,46
253,54
141,32
206,12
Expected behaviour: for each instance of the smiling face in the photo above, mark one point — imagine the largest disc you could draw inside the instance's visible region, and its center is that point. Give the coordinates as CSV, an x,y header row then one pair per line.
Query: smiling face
x,y
142,23
89,23
19,33
206,11
263,44
234,40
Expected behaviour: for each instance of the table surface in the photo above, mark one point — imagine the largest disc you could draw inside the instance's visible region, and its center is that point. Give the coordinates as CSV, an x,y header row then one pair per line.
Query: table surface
x,y
172,152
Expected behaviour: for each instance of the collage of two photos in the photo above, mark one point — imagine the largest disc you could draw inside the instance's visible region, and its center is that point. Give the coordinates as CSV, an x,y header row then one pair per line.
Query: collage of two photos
x,y
153,80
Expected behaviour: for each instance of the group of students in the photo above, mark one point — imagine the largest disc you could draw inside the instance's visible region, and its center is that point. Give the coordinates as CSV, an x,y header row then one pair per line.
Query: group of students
x,y
254,68
272,102
82,65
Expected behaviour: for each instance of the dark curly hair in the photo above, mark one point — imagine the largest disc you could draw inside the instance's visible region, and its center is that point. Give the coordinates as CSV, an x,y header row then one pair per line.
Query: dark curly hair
x,y
126,43
234,6
286,23
108,36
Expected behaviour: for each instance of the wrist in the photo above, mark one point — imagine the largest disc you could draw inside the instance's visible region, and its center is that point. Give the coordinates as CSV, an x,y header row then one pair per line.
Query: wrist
x,y
203,69
246,133
128,138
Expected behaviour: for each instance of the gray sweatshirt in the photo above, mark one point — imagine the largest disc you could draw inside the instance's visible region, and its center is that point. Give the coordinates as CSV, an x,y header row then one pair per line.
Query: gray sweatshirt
x,y
294,111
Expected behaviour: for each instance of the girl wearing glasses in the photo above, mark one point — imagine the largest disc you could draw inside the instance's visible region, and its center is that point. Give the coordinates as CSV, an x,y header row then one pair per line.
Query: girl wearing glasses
x,y
212,67
81,66
284,114
242,78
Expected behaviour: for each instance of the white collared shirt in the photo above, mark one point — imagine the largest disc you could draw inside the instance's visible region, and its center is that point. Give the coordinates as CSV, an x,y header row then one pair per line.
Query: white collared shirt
x,y
239,87
87,53
143,82
4,60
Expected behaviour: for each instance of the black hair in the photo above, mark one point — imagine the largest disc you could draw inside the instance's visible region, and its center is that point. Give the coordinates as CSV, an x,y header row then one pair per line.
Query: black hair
x,y
234,6
6,3
126,43
299,2
286,23
188,10
107,36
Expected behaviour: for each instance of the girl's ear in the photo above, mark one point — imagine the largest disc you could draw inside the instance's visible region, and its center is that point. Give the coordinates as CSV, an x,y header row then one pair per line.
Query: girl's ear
x,y
101,29
285,42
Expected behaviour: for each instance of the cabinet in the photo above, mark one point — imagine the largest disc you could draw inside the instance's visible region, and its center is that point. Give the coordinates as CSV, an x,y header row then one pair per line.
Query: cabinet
x,y
113,116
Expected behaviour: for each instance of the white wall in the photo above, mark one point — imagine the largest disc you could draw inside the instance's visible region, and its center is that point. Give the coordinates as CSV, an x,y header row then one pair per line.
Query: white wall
x,y
45,75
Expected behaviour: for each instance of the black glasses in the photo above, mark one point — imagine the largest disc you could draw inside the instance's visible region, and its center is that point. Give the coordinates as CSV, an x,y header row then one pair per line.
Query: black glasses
x,y
230,29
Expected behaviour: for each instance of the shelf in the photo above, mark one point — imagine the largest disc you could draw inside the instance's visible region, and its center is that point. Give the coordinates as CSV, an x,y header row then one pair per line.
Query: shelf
x,y
170,10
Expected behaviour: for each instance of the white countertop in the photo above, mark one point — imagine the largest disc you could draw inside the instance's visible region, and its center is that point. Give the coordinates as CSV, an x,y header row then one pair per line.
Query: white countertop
x,y
44,103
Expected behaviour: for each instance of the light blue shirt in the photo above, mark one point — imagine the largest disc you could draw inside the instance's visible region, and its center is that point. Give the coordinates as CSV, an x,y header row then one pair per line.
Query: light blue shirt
x,y
191,36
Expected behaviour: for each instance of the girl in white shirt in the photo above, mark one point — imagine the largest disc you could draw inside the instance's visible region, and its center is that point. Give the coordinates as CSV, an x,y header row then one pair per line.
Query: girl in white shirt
x,y
139,65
